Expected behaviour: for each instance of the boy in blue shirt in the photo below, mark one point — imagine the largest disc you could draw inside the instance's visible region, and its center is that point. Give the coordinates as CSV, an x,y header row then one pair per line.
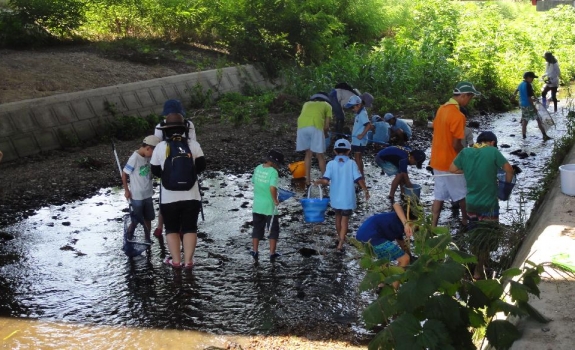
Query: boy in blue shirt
x,y
341,174
528,111
380,134
394,161
361,126
398,129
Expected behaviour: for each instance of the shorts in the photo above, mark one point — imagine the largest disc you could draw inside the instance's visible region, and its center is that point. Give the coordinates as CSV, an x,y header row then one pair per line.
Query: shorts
x,y
388,250
310,138
143,209
452,188
357,149
181,216
262,221
528,113
343,212
388,168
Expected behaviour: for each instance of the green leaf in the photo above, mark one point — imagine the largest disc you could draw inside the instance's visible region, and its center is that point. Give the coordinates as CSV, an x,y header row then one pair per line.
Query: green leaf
x,y
366,262
440,242
512,272
476,318
404,329
415,292
370,281
434,333
444,308
501,334
501,306
450,271
461,257
491,288
530,280
477,299
440,230
383,340
518,291
379,311
533,312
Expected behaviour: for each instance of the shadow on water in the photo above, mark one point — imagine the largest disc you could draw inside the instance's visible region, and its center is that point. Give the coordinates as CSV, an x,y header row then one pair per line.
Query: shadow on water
x,y
70,266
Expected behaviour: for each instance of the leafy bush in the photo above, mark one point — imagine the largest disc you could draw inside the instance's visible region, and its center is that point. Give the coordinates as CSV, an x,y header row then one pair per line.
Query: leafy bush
x,y
240,109
58,17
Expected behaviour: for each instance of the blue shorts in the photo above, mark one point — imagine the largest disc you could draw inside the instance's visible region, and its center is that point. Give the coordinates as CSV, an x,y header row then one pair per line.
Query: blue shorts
x,y
388,250
143,209
388,167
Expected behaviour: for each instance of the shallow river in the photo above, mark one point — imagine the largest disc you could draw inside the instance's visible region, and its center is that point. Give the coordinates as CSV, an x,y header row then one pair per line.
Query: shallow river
x,y
67,269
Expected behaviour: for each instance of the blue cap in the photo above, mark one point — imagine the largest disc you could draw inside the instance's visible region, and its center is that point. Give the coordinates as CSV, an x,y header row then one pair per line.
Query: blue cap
x,y
353,101
173,106
388,116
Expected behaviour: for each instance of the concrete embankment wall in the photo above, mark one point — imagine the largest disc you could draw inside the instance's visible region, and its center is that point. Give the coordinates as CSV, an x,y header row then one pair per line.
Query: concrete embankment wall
x,y
31,126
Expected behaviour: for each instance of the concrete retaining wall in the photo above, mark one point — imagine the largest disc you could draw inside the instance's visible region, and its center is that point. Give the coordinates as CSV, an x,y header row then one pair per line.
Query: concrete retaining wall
x,y
547,5
30,126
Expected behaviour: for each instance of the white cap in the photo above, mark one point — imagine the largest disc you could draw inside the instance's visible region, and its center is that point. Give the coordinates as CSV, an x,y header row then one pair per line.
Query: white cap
x,y
151,140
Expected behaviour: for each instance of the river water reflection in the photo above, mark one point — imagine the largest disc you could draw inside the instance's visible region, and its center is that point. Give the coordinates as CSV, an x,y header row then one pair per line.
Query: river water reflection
x,y
67,264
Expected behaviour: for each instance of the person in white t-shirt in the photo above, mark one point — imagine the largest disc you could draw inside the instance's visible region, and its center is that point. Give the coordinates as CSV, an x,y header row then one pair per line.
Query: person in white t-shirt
x,y
180,209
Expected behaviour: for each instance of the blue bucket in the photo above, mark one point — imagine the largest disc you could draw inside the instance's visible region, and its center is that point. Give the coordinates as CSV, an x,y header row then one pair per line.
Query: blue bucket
x,y
314,208
413,191
284,195
504,189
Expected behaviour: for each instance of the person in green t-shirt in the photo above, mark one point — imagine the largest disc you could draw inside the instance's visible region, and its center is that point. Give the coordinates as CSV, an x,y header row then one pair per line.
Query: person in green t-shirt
x,y
480,164
265,181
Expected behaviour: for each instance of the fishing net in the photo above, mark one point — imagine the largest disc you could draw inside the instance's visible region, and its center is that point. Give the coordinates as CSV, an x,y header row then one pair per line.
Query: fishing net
x,y
134,235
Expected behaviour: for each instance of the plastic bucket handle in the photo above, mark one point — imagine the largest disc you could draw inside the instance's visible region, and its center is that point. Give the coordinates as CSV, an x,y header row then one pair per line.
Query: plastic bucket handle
x,y
320,191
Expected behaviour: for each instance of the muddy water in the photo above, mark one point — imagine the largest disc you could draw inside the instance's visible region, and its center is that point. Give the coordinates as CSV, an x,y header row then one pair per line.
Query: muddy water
x,y
67,265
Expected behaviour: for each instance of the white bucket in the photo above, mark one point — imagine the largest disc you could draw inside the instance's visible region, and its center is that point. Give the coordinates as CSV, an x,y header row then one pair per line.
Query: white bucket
x,y
568,179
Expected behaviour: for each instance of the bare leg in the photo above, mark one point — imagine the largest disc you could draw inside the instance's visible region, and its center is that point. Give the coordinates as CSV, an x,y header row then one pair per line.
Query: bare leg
x,y
359,160
321,160
343,231
463,212
255,243
190,241
174,247
524,127
435,210
540,125
307,162
273,244
402,261
147,230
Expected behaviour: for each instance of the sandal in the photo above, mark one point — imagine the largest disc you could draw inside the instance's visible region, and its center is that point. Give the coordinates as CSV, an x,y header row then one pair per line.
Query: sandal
x,y
169,261
189,266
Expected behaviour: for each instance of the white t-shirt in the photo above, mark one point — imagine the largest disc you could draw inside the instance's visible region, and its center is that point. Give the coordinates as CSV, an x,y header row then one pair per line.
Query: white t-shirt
x,y
191,131
138,168
167,196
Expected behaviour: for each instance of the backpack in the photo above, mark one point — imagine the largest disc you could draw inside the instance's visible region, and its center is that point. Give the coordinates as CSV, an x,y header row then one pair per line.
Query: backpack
x,y
346,86
179,173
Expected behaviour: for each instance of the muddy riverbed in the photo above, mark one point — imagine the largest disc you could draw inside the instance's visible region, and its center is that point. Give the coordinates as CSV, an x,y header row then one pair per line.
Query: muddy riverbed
x,y
60,256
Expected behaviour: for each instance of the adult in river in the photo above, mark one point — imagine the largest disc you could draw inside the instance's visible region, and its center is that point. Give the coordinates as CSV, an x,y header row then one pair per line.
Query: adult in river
x,y
312,126
448,131
551,78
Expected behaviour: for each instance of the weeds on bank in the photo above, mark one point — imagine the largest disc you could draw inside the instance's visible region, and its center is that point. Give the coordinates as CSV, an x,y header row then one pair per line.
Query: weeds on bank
x,y
437,306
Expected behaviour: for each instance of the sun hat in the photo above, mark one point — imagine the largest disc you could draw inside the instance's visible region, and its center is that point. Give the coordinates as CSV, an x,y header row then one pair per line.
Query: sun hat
x,y
353,101
342,144
276,157
367,99
321,96
388,116
173,106
151,140
465,87
419,157
487,136
173,121
376,118
529,75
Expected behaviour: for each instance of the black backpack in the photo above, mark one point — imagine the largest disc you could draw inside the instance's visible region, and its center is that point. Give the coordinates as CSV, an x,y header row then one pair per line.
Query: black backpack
x,y
346,86
179,173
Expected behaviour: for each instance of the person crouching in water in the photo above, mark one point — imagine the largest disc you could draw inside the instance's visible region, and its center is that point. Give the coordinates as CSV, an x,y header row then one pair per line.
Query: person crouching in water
x,y
394,161
341,174
381,230
265,181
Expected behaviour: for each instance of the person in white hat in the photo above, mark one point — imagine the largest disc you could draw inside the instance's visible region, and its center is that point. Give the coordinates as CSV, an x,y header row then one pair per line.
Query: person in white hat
x,y
140,191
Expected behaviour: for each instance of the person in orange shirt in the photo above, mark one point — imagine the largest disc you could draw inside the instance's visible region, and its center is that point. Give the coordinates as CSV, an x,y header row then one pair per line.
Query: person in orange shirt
x,y
448,131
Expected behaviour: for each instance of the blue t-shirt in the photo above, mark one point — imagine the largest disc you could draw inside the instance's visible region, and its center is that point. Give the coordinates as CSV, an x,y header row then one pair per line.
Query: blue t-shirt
x,y
401,124
525,93
342,173
361,120
380,228
381,133
398,156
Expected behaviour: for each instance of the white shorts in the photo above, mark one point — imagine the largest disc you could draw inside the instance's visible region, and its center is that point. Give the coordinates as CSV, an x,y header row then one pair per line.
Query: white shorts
x,y
452,187
310,138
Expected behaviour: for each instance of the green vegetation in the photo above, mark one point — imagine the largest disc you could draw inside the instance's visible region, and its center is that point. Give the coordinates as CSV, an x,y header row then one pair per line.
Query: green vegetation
x,y
437,306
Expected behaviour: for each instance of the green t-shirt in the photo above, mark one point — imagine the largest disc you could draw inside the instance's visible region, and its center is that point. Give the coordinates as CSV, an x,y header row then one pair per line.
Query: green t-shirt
x,y
264,177
314,113
480,166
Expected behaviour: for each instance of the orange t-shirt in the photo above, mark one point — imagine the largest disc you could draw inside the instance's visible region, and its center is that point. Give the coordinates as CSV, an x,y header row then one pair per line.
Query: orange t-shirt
x,y
449,124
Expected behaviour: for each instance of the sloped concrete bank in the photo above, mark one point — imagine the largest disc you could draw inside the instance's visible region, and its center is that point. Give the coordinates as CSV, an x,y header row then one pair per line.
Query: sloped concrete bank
x,y
31,126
